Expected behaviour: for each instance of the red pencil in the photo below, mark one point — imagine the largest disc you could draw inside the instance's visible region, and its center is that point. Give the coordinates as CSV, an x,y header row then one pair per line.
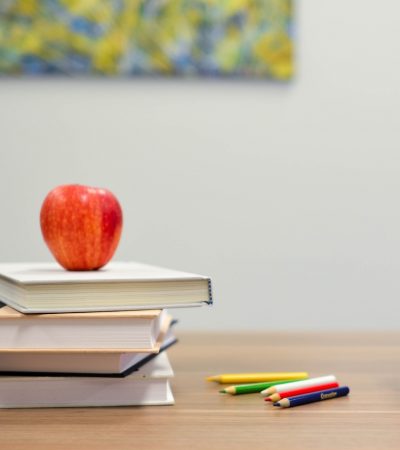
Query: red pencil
x,y
305,390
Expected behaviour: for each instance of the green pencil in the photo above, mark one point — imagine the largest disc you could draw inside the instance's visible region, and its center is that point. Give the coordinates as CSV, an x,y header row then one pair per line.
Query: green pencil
x,y
252,388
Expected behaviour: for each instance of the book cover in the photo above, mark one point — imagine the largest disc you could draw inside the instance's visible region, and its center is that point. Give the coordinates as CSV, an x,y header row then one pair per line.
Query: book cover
x,y
47,288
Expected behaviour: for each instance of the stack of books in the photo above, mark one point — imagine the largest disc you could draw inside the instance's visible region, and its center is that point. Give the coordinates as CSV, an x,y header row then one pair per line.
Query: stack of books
x,y
93,338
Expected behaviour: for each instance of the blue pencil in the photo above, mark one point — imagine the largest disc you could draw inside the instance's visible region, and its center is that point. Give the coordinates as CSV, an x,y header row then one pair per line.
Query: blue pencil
x,y
313,397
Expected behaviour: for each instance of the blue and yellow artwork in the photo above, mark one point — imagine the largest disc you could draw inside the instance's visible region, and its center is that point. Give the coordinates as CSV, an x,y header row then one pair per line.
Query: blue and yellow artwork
x,y
147,37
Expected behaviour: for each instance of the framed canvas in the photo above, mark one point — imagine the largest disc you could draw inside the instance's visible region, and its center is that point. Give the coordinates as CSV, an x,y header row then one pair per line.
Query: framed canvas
x,y
222,38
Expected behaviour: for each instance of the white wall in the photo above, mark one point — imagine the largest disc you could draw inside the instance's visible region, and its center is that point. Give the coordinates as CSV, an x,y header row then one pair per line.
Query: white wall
x,y
288,196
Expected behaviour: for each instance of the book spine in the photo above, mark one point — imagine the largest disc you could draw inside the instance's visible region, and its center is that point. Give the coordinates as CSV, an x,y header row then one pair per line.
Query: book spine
x,y
210,294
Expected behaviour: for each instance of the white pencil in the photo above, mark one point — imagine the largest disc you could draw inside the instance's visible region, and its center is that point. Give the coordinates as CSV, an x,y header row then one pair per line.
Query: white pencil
x,y
298,384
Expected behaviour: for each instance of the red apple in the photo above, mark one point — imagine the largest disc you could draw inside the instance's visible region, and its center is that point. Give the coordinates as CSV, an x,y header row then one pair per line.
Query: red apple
x,y
81,225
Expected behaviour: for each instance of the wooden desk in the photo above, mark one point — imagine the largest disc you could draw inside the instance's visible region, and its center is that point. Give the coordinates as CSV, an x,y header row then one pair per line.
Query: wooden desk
x,y
204,419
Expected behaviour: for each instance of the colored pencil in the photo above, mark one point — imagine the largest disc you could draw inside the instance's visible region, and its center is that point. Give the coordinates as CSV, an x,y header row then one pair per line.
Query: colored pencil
x,y
319,396
252,388
236,378
300,391
299,384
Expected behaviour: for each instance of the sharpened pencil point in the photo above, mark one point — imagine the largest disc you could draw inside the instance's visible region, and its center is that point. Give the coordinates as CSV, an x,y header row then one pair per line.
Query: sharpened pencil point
x,y
276,404
267,399
230,390
213,378
222,391
267,392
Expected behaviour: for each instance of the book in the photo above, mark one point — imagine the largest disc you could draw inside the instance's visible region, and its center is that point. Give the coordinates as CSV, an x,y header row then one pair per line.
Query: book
x,y
48,288
78,364
125,331
148,386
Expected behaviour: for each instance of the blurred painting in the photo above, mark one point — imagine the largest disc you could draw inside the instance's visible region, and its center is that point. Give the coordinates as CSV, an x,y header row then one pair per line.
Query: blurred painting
x,y
221,38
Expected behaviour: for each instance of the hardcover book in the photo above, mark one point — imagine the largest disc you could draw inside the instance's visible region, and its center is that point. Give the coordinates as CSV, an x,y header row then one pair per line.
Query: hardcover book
x,y
117,332
147,386
48,288
94,364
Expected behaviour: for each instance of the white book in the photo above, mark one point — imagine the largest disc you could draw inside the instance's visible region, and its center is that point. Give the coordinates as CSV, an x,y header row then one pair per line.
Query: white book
x,y
125,331
48,288
148,386
88,363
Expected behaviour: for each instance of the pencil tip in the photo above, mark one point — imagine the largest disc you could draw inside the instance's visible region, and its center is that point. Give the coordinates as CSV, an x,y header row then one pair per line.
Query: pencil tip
x,y
222,391
213,378
276,404
267,399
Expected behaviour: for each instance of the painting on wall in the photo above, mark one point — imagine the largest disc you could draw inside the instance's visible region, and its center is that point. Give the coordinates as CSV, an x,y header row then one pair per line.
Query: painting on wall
x,y
220,38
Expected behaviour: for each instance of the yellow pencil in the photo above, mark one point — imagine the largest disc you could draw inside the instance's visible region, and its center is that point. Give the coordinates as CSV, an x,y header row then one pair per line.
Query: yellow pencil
x,y
236,378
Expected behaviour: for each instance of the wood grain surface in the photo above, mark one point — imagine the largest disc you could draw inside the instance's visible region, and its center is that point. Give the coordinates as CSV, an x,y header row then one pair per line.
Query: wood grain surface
x,y
204,419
